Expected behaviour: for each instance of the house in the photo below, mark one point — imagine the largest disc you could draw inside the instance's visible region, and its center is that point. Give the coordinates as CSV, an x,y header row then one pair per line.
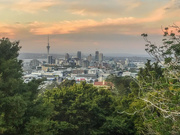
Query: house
x,y
104,84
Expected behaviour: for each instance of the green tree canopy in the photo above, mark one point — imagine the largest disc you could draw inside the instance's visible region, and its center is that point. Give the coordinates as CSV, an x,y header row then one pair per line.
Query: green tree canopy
x,y
20,107
156,92
83,109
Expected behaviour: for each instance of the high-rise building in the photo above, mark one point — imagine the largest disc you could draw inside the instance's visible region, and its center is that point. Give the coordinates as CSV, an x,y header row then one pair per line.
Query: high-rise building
x,y
126,61
89,58
50,59
79,54
66,56
101,57
97,55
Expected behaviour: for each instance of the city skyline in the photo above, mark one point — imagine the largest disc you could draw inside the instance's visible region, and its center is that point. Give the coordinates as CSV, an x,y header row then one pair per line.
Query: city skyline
x,y
110,26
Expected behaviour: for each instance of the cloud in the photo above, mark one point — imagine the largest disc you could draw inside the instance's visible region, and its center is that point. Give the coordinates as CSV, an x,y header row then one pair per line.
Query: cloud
x,y
28,6
95,8
122,25
172,9
66,27
130,4
6,30
126,25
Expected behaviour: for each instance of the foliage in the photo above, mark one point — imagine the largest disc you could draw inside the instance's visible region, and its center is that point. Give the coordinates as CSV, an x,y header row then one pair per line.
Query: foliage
x,y
19,102
156,94
122,85
86,110
67,83
166,90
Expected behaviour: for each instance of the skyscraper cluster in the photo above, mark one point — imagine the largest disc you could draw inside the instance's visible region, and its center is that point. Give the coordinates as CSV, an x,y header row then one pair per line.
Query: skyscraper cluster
x,y
78,59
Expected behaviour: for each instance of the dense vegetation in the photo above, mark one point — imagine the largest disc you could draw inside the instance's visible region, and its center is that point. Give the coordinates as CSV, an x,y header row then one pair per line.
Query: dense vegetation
x,y
20,107
149,104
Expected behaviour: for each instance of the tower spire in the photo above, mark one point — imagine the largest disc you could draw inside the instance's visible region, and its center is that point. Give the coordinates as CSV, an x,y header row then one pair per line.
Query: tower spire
x,y
48,46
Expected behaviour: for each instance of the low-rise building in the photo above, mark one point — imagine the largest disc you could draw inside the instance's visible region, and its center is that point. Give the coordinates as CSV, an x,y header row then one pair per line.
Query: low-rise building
x,y
103,84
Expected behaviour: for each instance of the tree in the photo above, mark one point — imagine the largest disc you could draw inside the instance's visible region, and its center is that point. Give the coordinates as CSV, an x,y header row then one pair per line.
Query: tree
x,y
157,91
165,90
122,85
10,73
67,83
20,106
83,109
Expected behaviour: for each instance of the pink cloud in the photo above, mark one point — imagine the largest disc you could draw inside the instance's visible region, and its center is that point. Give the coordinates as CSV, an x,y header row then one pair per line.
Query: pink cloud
x,y
6,31
123,25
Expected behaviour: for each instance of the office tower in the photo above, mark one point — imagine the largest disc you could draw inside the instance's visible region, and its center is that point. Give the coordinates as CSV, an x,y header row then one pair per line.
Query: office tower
x,y
50,59
53,60
79,54
97,56
89,58
66,56
101,57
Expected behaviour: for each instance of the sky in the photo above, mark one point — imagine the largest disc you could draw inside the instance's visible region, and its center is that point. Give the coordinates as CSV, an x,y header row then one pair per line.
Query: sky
x,y
109,26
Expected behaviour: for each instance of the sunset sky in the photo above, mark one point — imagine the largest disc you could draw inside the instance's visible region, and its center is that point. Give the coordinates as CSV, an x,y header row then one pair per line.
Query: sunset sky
x,y
110,26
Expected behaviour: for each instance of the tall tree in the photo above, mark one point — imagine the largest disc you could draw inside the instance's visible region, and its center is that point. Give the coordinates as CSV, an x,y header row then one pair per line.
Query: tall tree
x,y
20,107
12,105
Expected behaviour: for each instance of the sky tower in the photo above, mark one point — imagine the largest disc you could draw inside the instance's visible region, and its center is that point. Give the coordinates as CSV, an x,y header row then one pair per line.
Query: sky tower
x,y
48,47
